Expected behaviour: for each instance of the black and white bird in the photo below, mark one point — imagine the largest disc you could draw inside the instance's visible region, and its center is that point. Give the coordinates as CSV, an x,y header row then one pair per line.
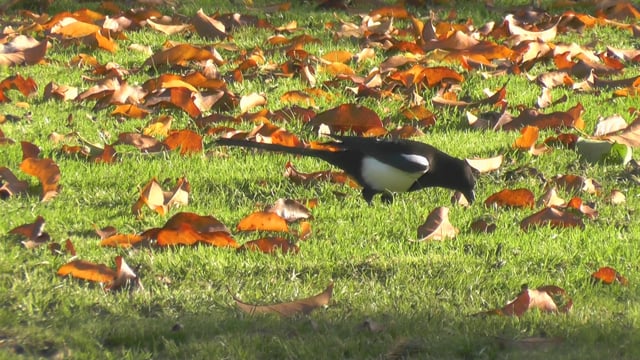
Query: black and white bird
x,y
384,166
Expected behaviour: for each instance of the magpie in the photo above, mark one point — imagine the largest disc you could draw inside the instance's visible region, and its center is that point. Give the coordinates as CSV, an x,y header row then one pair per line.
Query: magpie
x,y
384,165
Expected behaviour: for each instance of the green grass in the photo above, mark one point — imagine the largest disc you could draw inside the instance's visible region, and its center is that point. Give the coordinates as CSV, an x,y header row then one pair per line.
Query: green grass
x,y
423,293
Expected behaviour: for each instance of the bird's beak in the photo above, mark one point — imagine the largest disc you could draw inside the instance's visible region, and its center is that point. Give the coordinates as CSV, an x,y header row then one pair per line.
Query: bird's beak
x,y
470,195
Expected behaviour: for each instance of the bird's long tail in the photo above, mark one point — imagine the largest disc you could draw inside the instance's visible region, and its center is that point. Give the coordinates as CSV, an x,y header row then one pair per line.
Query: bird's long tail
x,y
271,147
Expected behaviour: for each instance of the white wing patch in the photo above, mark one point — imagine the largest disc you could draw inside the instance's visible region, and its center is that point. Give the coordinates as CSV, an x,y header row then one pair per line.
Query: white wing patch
x,y
381,176
417,159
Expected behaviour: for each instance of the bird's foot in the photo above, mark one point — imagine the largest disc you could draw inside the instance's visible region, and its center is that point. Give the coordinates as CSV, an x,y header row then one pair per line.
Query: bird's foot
x,y
387,197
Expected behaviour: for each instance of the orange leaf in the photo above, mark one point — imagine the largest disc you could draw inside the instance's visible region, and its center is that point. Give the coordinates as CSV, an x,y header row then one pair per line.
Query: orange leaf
x,y
608,275
552,217
178,97
348,117
132,111
270,245
88,271
179,55
34,233
528,137
219,239
201,224
47,172
263,221
17,82
122,240
518,198
188,141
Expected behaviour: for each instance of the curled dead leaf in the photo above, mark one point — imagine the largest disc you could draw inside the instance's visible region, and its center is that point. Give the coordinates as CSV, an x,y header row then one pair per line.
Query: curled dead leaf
x,y
287,309
437,226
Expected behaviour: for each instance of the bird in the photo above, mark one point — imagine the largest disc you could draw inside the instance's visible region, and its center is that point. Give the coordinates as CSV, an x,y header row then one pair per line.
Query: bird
x,y
382,165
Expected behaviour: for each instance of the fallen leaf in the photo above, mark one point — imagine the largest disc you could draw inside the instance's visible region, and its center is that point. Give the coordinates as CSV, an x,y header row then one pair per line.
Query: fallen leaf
x,y
517,198
548,298
10,185
270,245
290,210
608,275
552,217
348,117
288,309
437,226
34,233
263,221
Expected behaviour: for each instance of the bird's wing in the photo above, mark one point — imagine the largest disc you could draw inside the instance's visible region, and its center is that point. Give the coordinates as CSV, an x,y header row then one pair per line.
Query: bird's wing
x,y
405,155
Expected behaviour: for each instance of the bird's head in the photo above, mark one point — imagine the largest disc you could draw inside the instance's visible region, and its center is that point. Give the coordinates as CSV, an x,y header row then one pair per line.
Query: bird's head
x,y
467,182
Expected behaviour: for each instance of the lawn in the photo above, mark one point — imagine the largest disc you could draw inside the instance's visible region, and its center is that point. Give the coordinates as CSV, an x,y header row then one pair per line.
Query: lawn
x,y
393,297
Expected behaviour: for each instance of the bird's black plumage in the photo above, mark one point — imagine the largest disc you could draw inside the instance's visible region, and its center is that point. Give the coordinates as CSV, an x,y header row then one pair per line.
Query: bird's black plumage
x,y
381,165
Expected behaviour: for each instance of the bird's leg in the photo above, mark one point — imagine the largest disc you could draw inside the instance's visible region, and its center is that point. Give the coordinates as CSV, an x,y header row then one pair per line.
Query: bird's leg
x,y
387,197
368,194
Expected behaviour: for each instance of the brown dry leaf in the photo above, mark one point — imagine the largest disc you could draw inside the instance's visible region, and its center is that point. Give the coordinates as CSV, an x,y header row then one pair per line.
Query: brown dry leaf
x,y
47,172
483,225
348,117
270,245
26,86
290,210
33,232
608,275
437,226
528,138
168,29
610,125
263,221
143,142
486,165
188,141
10,185
553,217
616,197
105,232
130,111
208,27
304,306
298,97
297,177
151,195
554,120
159,200
519,34
22,50
628,136
496,99
549,298
89,271
159,126
191,229
576,183
125,277
517,198
178,97
122,240
252,100
550,198
60,92
180,55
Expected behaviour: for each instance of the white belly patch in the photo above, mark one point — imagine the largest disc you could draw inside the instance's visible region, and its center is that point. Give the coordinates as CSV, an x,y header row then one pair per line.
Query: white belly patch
x,y
381,176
